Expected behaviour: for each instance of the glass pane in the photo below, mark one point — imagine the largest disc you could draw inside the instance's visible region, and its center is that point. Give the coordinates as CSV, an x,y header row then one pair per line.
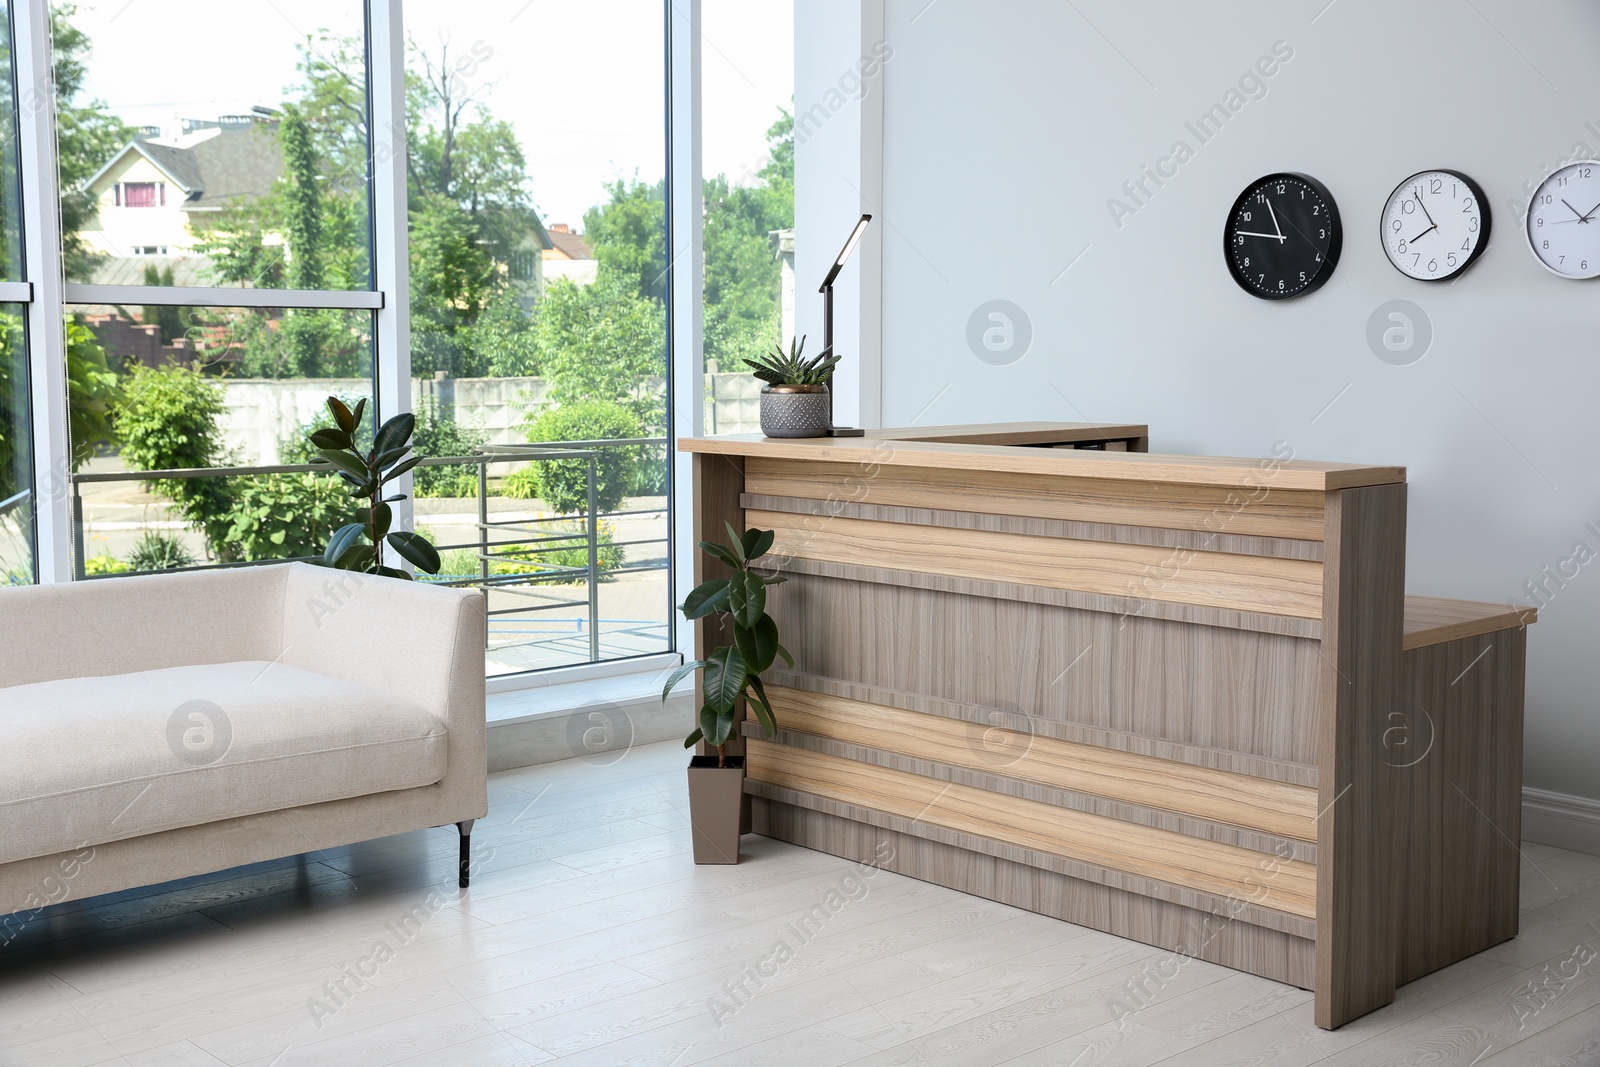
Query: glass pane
x,y
173,388
747,110
16,457
10,194
538,278
220,144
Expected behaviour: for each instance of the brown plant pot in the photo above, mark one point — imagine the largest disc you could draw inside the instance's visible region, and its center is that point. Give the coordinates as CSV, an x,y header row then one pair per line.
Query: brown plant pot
x,y
716,797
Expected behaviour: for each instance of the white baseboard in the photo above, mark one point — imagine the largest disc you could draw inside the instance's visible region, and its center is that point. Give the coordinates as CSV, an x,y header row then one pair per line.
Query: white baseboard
x,y
1561,820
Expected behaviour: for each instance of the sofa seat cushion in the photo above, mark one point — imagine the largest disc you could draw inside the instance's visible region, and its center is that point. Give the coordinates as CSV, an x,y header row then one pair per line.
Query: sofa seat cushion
x,y
84,761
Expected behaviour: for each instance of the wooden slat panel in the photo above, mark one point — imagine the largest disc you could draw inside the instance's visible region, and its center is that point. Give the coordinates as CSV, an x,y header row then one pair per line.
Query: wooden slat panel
x,y
1205,866
983,716
1250,693
1210,579
1142,467
1194,931
1203,508
1358,860
1283,547
1236,799
1432,620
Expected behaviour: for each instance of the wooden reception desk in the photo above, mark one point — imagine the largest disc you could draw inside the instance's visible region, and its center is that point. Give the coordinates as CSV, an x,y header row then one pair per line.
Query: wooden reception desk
x,y
1181,699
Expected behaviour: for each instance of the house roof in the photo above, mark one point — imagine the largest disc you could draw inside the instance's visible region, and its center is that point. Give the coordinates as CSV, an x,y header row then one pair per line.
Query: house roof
x,y
217,165
571,245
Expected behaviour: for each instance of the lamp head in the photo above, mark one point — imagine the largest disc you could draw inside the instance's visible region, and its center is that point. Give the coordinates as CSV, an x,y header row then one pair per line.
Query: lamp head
x,y
844,253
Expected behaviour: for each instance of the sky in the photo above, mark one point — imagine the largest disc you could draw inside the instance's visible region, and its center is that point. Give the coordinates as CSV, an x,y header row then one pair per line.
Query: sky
x,y
580,80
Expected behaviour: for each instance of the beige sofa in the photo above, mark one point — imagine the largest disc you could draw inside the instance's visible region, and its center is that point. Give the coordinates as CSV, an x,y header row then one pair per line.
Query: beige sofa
x,y
158,727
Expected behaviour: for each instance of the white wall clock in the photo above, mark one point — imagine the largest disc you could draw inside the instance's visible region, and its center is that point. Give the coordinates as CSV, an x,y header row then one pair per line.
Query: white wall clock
x,y
1564,220
1435,225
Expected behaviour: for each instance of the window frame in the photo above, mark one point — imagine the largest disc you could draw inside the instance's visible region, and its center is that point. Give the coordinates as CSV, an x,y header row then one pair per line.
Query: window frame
x,y
46,298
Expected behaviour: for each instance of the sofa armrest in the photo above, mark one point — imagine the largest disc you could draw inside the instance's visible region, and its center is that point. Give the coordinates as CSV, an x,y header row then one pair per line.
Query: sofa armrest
x,y
420,643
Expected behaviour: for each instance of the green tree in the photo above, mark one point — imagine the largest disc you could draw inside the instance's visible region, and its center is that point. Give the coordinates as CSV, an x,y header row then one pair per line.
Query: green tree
x,y
88,135
604,341
302,202
629,236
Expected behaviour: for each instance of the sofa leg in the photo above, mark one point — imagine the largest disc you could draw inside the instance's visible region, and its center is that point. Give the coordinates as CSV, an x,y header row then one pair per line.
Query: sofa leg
x,y
465,826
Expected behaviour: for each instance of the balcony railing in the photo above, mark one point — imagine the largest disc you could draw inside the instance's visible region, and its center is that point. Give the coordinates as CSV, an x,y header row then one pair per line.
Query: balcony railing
x,y
525,564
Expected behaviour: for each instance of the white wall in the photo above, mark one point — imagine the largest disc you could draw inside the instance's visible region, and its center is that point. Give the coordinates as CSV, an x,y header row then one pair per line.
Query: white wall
x,y
1009,125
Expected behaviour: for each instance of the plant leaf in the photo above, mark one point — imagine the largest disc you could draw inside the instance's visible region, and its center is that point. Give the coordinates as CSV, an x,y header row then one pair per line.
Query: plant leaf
x,y
694,738
342,414
758,644
391,572
734,540
346,462
416,549
361,409
355,558
340,542
725,678
386,458
705,598
401,469
395,433
757,542
784,653
747,598
721,553
328,437
679,675
763,705
716,726
385,517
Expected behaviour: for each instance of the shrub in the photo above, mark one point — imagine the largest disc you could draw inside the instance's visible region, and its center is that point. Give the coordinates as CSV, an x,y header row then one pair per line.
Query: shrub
x,y
564,553
438,434
283,516
521,484
167,419
160,552
102,565
563,483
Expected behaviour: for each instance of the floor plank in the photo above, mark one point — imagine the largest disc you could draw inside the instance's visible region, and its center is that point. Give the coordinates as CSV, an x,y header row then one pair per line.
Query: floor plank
x,y
589,937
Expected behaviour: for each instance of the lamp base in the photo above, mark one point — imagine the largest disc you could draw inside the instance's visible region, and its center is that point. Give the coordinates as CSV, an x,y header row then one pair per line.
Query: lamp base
x,y
846,431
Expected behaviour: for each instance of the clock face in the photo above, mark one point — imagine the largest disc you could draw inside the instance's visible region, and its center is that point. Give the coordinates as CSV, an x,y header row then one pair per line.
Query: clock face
x,y
1435,225
1283,236
1564,221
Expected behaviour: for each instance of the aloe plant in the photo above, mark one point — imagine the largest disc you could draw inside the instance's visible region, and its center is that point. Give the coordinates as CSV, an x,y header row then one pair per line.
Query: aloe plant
x,y
733,672
792,368
358,546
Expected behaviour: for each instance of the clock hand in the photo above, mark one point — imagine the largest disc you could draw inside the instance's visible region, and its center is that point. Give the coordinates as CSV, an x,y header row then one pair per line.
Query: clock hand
x,y
1424,233
1425,211
1275,225
1590,215
1574,210
1269,236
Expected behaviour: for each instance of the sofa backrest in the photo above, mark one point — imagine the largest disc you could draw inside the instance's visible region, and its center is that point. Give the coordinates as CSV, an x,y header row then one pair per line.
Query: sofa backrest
x,y
124,625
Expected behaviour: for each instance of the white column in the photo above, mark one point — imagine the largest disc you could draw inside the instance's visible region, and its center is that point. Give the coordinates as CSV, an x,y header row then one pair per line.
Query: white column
x,y
47,363
387,48
685,288
840,59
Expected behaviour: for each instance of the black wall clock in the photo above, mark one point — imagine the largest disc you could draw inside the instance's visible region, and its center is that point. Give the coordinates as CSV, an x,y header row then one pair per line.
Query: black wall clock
x,y
1283,236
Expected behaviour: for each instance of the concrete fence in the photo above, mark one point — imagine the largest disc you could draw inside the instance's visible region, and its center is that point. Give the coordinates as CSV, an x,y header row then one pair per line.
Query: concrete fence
x,y
263,412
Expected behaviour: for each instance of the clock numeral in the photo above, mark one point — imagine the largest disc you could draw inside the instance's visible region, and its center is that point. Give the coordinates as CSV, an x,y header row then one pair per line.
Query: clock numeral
x,y
1402,249
1472,224
1450,260
1583,172
1464,245
1436,186
1395,226
1466,205
1408,206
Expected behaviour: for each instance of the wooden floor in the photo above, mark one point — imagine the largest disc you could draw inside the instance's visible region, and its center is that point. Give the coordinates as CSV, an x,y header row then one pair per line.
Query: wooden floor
x,y
588,937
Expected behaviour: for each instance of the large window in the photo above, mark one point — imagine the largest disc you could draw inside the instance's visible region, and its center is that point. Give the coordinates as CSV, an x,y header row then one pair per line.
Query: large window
x,y
234,232
538,315
747,62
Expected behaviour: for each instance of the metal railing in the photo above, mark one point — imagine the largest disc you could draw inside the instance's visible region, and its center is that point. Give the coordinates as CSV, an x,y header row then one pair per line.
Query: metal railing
x,y
500,546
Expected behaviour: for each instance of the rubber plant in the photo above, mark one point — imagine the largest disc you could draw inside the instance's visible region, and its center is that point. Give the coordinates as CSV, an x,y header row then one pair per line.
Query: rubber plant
x,y
734,671
359,545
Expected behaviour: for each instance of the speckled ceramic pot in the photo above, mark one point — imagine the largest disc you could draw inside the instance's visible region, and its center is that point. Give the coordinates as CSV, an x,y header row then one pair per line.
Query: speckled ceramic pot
x,y
795,411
